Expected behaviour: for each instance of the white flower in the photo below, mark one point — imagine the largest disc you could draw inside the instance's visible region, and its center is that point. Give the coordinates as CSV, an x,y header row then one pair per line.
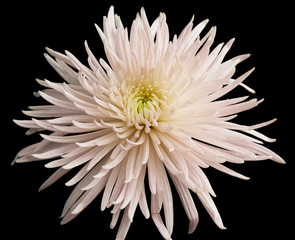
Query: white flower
x,y
154,109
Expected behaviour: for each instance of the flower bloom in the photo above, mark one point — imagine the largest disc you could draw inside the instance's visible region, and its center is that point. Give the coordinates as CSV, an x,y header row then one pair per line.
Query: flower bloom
x,y
156,110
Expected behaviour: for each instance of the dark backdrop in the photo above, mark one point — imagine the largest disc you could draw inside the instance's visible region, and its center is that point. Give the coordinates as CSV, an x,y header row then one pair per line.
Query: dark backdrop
x,y
256,209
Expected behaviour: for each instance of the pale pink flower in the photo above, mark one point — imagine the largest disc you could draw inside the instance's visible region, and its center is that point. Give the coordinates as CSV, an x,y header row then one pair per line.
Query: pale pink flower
x,y
154,109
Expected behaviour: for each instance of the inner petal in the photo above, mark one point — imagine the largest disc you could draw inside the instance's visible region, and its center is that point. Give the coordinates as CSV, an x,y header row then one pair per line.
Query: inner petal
x,y
144,101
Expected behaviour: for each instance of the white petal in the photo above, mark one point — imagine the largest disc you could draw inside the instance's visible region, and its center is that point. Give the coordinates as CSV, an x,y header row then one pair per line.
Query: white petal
x,y
157,217
188,203
211,208
53,178
124,226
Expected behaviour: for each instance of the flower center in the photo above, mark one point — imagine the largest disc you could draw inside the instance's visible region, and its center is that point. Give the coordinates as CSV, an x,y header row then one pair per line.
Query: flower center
x,y
145,98
144,101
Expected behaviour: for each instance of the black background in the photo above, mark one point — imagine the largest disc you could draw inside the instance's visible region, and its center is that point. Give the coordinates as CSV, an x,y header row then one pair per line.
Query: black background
x,y
259,208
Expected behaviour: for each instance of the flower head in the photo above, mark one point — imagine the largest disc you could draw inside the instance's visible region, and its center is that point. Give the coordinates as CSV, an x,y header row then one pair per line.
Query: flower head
x,y
154,109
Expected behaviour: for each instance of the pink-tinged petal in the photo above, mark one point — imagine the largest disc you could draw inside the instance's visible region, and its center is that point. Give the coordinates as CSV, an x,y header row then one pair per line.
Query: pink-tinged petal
x,y
228,171
53,178
84,201
135,199
160,225
188,203
78,97
100,155
144,150
70,119
49,113
229,87
77,192
60,163
60,56
54,98
130,172
109,187
167,203
143,204
171,164
129,194
60,67
116,160
158,150
263,152
106,139
69,139
115,218
27,150
152,172
124,226
77,177
199,178
208,203
260,135
82,159
26,123
157,217
55,152
25,159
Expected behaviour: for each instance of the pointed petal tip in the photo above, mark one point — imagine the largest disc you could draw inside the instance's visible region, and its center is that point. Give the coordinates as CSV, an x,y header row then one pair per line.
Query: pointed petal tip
x,y
43,186
62,222
231,41
112,8
14,160
47,165
17,122
192,225
219,223
142,11
281,161
78,209
49,50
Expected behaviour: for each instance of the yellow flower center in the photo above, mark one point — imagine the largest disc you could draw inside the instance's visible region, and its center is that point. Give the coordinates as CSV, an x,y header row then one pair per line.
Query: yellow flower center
x,y
144,101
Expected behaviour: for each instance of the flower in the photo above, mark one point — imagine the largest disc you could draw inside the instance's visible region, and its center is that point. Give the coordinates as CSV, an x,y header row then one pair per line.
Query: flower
x,y
156,110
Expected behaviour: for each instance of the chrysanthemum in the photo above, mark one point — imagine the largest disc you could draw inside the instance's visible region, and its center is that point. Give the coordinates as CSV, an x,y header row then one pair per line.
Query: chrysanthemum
x,y
153,111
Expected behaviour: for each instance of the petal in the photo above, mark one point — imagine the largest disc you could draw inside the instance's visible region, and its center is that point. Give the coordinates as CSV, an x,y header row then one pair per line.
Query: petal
x,y
187,202
53,178
208,203
124,226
